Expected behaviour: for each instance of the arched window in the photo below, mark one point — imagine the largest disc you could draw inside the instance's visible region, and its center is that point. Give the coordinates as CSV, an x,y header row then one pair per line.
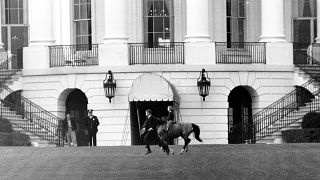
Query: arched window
x,y
82,21
158,21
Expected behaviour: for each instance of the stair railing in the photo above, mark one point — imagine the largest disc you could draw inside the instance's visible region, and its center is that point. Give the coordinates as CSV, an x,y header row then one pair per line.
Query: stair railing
x,y
41,122
264,121
35,115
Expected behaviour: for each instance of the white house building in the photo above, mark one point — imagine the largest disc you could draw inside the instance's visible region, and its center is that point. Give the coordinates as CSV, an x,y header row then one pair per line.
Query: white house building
x,y
255,52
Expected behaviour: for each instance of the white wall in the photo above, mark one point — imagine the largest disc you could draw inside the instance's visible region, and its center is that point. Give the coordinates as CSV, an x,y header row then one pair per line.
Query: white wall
x,y
271,83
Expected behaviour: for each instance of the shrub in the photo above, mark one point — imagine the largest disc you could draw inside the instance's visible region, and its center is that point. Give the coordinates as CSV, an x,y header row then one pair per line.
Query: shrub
x,y
311,120
10,138
14,139
310,135
5,126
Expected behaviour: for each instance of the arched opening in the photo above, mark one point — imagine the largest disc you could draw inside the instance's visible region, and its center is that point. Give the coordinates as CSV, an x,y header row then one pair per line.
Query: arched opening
x,y
76,104
14,101
149,91
240,123
303,96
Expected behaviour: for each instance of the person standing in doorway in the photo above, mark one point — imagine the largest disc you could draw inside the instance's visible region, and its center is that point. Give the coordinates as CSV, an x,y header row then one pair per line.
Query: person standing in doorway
x,y
69,130
150,132
92,124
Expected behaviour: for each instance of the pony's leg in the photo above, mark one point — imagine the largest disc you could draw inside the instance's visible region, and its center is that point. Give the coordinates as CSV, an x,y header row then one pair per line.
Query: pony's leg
x,y
187,143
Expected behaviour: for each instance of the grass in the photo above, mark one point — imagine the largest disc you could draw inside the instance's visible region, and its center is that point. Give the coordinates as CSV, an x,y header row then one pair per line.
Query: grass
x,y
287,161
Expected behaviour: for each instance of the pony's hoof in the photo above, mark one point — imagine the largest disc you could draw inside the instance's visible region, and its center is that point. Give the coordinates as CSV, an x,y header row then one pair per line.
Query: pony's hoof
x,y
171,151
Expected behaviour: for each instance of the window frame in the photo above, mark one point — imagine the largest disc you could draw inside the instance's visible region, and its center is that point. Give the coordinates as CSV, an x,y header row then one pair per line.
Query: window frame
x,y
75,21
233,20
163,32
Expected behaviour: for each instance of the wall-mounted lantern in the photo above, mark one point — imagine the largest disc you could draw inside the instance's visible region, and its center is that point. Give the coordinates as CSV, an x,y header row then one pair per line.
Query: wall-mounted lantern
x,y
109,85
204,84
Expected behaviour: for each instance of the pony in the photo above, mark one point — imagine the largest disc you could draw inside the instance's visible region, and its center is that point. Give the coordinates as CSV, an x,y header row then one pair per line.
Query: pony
x,y
179,129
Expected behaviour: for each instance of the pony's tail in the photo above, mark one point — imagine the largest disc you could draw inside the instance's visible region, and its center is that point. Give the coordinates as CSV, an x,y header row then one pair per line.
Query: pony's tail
x,y
196,131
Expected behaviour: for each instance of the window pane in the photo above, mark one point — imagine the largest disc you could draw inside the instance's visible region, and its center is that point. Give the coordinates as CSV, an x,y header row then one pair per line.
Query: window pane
x,y
166,24
158,8
241,8
307,8
13,4
20,16
21,4
13,17
76,12
6,3
7,16
228,7
158,24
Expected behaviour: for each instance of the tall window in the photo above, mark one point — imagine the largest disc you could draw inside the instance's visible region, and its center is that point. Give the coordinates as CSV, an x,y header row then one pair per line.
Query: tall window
x,y
158,21
14,12
304,21
236,20
307,8
82,21
14,24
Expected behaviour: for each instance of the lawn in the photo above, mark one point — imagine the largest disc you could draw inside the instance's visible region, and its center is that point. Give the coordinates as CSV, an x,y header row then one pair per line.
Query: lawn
x,y
287,161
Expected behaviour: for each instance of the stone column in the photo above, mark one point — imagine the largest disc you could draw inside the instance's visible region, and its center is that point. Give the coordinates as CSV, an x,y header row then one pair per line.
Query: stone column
x,y
36,56
197,21
41,22
115,21
318,22
272,21
1,43
278,50
114,50
199,50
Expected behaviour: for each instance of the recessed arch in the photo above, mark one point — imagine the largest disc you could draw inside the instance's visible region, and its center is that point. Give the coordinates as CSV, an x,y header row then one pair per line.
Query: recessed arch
x,y
75,102
240,125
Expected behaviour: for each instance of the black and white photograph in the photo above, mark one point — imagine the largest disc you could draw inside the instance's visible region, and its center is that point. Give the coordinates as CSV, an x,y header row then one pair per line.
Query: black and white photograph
x,y
159,89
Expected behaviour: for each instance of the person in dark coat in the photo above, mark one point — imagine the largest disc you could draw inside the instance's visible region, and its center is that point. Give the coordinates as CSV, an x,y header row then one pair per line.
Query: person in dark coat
x,y
92,124
69,130
149,129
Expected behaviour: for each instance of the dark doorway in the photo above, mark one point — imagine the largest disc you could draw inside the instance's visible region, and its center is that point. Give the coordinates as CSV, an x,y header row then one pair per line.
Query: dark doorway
x,y
138,117
77,106
239,116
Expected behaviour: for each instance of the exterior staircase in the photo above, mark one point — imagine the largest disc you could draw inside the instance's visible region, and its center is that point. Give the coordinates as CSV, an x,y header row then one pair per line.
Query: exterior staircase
x,y
25,116
288,112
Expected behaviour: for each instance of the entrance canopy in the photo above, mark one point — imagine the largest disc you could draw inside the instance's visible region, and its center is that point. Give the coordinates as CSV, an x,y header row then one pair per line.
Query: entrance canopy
x,y
151,87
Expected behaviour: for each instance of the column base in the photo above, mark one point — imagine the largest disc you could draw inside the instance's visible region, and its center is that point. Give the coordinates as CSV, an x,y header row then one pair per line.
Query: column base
x,y
276,38
279,54
199,38
113,54
200,53
36,57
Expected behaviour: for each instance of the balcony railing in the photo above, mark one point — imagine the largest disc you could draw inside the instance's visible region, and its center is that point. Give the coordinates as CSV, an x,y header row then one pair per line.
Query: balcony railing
x,y
156,53
240,53
74,55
